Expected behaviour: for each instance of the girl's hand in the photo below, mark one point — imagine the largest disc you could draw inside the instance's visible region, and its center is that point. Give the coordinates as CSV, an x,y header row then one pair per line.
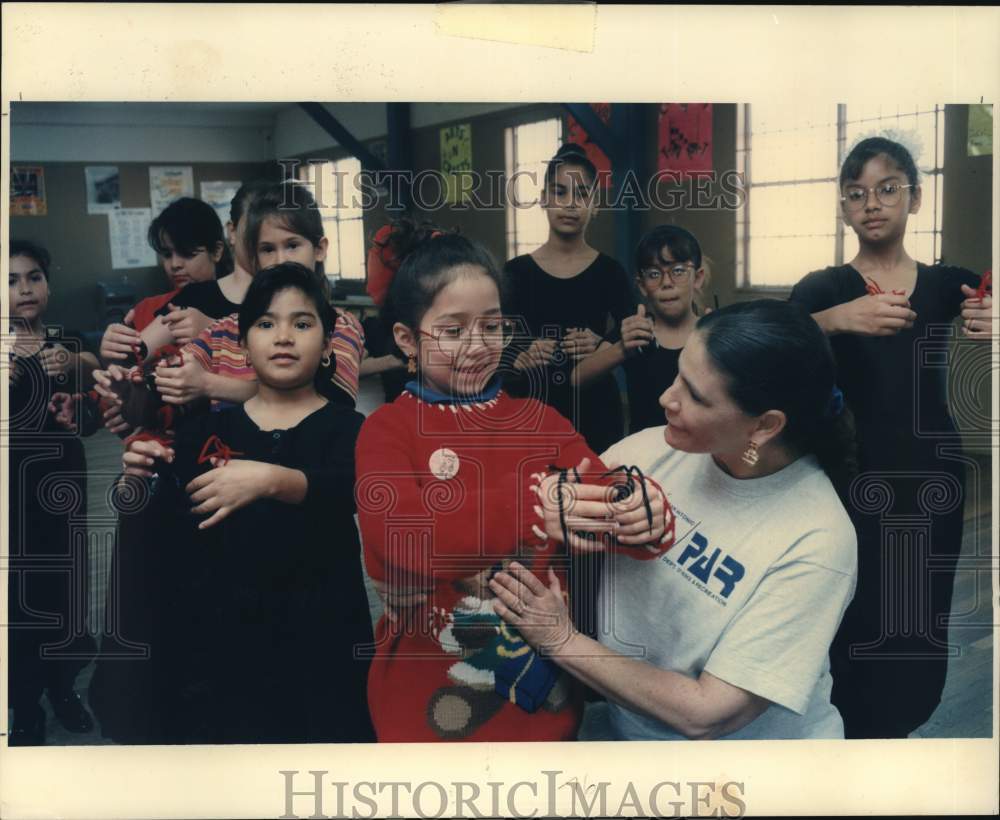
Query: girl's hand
x,y
186,323
228,487
538,612
115,422
397,598
108,383
977,315
62,406
181,384
57,360
579,342
118,342
882,314
139,457
539,355
587,511
13,367
637,331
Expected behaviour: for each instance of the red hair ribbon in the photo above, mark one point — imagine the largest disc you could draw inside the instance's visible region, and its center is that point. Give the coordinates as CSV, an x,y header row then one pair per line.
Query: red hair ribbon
x,y
221,450
383,264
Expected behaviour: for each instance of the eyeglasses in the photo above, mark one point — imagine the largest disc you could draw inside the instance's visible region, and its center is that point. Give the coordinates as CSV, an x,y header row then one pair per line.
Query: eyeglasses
x,y
493,331
677,273
888,193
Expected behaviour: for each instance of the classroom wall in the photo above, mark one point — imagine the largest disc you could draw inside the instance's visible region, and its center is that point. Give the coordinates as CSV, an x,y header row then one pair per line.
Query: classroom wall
x,y
79,242
110,133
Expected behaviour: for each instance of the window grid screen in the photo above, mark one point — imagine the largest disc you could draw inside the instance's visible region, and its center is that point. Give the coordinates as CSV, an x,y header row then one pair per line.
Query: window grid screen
x,y
528,149
791,157
336,188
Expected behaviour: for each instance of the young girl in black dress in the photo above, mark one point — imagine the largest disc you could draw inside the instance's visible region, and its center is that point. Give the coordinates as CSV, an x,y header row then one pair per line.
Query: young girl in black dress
x,y
264,553
47,582
669,275
887,314
570,296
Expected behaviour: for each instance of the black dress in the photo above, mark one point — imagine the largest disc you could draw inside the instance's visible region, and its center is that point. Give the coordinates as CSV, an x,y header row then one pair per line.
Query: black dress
x,y
647,376
890,656
598,298
49,638
255,621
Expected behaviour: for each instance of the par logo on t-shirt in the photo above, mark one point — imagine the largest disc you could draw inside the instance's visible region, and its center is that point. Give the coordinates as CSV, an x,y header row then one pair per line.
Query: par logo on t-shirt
x,y
720,577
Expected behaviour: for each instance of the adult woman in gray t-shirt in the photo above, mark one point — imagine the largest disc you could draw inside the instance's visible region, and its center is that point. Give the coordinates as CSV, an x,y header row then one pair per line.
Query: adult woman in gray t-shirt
x,y
727,634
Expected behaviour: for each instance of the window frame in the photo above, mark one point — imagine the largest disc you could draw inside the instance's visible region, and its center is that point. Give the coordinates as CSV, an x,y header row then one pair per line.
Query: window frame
x,y
931,181
348,285
511,168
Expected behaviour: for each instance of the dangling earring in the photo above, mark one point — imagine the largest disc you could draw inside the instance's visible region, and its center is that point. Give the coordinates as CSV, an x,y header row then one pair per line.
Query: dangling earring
x,y
325,360
411,364
750,455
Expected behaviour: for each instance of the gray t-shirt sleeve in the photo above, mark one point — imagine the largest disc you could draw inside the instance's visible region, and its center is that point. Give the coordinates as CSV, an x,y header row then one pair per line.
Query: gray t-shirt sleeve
x,y
777,645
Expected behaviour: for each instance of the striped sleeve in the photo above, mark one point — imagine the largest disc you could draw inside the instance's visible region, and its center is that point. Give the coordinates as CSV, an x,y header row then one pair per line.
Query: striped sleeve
x,y
200,348
349,349
228,357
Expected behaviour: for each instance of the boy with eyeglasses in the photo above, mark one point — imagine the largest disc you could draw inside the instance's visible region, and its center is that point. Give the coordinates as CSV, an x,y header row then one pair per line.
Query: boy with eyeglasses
x,y
669,274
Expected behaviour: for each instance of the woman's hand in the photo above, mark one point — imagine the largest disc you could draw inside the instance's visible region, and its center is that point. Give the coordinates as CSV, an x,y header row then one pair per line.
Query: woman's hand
x,y
637,331
140,456
633,519
579,342
229,486
882,314
978,321
539,612
119,342
182,383
186,323
539,355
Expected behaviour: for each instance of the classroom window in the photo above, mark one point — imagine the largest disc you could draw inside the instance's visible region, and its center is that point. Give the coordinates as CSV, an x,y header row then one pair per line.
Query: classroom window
x,y
335,186
528,148
790,157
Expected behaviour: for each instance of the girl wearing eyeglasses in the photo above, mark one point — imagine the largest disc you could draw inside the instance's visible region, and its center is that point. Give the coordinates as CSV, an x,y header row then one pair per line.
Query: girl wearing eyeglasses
x,y
889,317
448,484
669,275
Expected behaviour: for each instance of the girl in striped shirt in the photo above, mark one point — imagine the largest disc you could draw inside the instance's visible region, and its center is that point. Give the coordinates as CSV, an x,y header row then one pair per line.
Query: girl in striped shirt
x,y
283,225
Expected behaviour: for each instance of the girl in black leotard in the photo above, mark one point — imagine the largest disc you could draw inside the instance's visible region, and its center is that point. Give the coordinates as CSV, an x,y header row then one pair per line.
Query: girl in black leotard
x,y
570,297
47,582
890,319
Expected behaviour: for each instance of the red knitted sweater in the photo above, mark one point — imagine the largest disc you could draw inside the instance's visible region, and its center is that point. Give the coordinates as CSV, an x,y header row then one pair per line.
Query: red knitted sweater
x,y
444,492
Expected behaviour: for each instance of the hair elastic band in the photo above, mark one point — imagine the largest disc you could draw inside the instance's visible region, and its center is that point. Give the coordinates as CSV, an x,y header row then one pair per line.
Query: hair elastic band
x,y
836,405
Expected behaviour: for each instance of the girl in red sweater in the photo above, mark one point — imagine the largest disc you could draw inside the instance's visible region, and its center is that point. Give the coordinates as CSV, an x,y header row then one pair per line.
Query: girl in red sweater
x,y
446,494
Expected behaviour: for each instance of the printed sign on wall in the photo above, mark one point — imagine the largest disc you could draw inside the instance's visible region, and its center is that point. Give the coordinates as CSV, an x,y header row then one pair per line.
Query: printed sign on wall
x,y
27,191
456,160
169,183
685,138
103,188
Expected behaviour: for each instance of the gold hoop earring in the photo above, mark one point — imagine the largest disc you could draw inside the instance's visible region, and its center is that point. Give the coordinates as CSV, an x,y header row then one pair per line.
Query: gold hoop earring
x,y
750,455
411,364
326,360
